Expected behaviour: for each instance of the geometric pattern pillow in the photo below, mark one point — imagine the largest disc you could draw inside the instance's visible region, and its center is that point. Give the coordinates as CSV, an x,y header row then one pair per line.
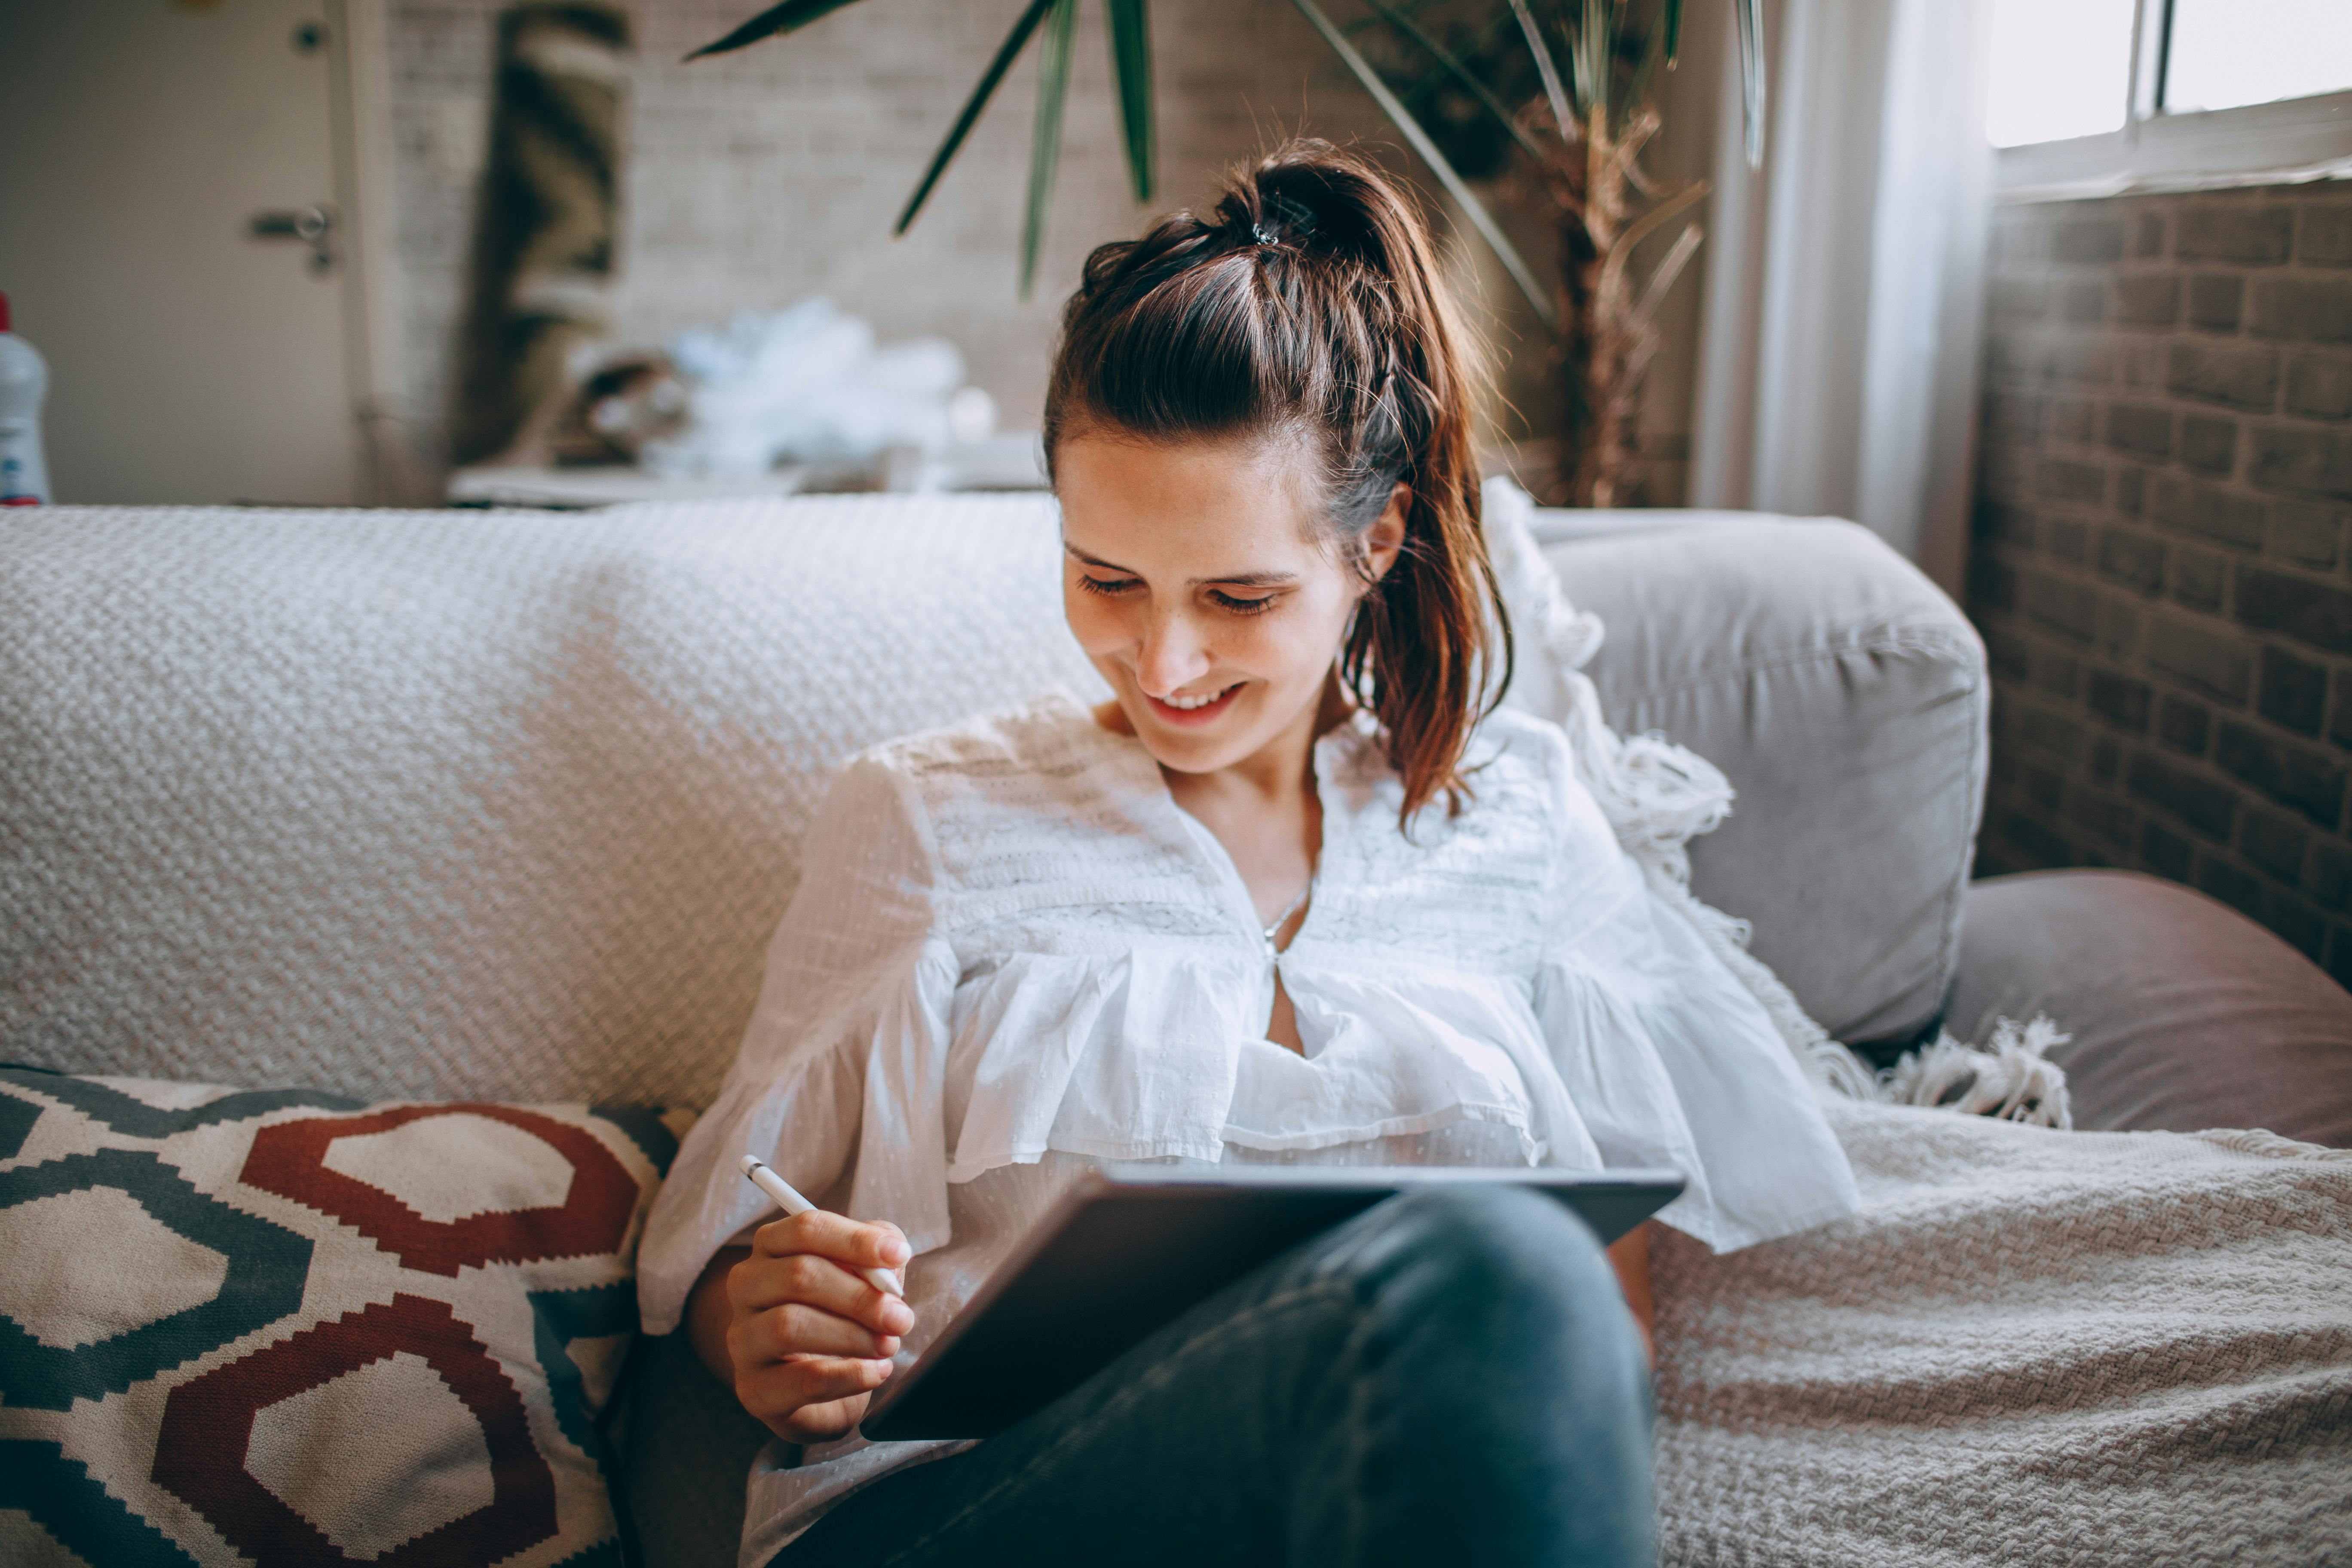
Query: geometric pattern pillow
x,y
280,1327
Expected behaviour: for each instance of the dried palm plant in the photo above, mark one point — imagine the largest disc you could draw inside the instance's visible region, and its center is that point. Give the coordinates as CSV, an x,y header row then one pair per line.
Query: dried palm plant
x,y
1485,76
1491,99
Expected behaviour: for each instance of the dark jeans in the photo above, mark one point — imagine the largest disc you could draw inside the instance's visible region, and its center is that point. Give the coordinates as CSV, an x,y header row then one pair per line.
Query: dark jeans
x,y
1451,1378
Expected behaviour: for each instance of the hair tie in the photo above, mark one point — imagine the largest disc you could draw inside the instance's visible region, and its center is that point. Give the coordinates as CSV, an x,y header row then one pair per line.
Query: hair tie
x,y
1295,216
1258,232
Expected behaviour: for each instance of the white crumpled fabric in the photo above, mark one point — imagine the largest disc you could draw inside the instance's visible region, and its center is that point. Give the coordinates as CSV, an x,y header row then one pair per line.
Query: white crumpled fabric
x,y
809,384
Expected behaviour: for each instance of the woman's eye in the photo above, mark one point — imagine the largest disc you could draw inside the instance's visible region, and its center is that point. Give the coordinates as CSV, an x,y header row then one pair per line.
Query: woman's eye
x,y
1257,606
1107,587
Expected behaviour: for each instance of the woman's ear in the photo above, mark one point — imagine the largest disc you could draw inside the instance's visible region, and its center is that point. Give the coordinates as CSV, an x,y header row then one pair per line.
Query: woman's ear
x,y
1385,538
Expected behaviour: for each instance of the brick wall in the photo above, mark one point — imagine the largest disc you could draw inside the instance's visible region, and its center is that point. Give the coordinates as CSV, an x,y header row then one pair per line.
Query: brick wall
x,y
757,179
2161,565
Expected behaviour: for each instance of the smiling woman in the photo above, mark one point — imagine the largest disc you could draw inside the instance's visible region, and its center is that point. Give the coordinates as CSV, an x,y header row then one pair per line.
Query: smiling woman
x,y
1198,588
1297,893
1297,344
1201,586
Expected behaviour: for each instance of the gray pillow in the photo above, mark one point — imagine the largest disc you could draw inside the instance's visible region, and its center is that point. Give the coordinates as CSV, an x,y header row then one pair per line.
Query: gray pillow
x,y
1845,697
2185,1014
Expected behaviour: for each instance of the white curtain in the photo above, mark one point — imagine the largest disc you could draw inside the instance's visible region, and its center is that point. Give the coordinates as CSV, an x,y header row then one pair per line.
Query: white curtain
x,y
1840,333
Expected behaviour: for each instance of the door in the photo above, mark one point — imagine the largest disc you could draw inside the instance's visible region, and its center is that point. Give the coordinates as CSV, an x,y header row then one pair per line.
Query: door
x,y
191,360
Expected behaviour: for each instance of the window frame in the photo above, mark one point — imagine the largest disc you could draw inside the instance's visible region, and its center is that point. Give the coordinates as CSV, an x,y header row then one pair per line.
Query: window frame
x,y
2305,138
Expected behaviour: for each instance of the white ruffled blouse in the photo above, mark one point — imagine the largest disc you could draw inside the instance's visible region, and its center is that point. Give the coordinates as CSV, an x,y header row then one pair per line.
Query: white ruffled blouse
x,y
1012,954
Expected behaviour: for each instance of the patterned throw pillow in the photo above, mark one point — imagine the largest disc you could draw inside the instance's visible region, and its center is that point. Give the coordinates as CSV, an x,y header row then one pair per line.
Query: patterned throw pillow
x,y
280,1327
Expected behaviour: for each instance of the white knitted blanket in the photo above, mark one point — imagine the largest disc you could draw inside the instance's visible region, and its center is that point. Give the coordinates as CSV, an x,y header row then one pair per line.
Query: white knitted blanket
x,y
2030,1347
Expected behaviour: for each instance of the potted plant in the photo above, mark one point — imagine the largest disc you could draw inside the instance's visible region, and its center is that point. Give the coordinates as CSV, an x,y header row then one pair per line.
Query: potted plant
x,y
1552,97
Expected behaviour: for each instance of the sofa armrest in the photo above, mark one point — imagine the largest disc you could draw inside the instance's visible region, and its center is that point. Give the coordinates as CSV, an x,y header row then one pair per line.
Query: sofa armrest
x,y
1845,698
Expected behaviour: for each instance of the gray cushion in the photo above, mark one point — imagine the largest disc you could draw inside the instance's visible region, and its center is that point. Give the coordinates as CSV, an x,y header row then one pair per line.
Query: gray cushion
x,y
1845,698
2185,1014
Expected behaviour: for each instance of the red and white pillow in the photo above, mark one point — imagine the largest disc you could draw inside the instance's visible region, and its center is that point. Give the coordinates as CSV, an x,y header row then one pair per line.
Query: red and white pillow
x,y
280,1327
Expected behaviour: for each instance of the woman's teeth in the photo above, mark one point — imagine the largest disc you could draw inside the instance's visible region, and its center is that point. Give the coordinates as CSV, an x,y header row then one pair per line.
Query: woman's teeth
x,y
1202,700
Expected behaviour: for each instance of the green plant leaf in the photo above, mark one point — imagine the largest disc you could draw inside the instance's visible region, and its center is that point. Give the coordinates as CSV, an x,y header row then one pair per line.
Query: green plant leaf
x,y
1413,30
1045,142
1419,139
1579,69
1366,24
1561,115
783,18
1751,78
1130,63
1006,54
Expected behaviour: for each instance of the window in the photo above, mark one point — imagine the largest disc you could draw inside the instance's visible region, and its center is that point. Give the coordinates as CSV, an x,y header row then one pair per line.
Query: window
x,y
2060,69
2134,91
2226,54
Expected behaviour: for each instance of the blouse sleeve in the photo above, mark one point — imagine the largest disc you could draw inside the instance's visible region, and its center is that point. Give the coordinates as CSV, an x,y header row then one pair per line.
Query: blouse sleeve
x,y
1670,1057
840,1070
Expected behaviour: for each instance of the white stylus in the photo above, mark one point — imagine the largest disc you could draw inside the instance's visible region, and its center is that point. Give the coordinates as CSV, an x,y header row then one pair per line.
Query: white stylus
x,y
791,1202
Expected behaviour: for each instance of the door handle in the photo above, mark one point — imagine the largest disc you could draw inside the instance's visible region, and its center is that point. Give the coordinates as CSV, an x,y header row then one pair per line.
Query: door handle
x,y
314,226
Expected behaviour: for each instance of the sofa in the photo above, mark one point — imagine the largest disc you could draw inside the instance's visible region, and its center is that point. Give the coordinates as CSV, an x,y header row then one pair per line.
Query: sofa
x,y
373,809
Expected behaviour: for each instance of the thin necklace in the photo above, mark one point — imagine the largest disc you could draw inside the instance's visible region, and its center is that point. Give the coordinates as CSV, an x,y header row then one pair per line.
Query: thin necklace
x,y
1283,918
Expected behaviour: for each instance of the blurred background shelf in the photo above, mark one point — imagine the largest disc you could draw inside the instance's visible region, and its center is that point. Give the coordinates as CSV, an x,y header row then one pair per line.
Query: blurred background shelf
x,y
582,488
1012,462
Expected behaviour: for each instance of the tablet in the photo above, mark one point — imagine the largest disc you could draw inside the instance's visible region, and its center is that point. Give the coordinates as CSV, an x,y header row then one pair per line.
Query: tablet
x,y
1130,1248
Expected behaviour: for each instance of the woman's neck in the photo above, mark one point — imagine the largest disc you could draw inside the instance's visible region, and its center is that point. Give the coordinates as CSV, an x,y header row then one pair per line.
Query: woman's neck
x,y
1268,815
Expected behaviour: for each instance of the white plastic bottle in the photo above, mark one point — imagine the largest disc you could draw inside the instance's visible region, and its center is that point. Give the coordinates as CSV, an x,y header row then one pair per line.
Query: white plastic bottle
x,y
24,383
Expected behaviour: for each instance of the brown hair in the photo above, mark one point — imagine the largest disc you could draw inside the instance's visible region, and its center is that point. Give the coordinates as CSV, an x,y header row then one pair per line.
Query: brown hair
x,y
1308,304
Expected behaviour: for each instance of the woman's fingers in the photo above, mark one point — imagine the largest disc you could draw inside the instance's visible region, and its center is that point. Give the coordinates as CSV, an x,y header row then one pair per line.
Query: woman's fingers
x,y
809,1398
764,1282
796,1330
854,1244
822,1423
810,1338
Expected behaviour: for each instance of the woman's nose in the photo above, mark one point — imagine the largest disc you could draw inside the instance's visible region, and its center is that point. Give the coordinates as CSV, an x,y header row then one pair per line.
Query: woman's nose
x,y
1173,653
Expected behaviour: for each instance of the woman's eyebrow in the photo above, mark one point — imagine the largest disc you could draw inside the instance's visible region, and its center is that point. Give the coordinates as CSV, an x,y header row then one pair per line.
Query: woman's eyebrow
x,y
1235,579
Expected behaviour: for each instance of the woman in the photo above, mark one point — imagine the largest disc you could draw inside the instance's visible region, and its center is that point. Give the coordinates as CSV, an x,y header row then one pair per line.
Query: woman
x,y
1293,894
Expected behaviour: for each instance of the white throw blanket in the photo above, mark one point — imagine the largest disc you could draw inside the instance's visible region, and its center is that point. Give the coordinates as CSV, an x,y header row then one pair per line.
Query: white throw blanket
x,y
2030,1347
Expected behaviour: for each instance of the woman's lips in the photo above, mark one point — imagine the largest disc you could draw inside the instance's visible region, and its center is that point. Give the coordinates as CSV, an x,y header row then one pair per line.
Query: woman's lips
x,y
1190,717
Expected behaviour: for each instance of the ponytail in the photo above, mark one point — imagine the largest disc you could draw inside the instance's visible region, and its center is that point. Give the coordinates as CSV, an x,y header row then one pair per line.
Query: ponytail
x,y
1308,303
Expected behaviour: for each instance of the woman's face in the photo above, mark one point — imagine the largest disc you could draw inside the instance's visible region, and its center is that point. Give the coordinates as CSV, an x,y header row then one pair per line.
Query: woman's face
x,y
1194,579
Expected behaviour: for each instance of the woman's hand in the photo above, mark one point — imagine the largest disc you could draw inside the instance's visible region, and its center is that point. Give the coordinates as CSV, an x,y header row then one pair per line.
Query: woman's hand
x,y
789,1325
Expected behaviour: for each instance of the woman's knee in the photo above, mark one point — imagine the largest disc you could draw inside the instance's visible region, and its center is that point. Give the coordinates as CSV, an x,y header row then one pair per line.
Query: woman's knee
x,y
1494,1375
1502,1235
1492,1271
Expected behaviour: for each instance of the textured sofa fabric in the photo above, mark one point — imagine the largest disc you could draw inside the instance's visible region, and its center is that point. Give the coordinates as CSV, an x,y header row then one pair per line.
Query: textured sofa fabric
x,y
1845,697
499,805
2185,1014
506,805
